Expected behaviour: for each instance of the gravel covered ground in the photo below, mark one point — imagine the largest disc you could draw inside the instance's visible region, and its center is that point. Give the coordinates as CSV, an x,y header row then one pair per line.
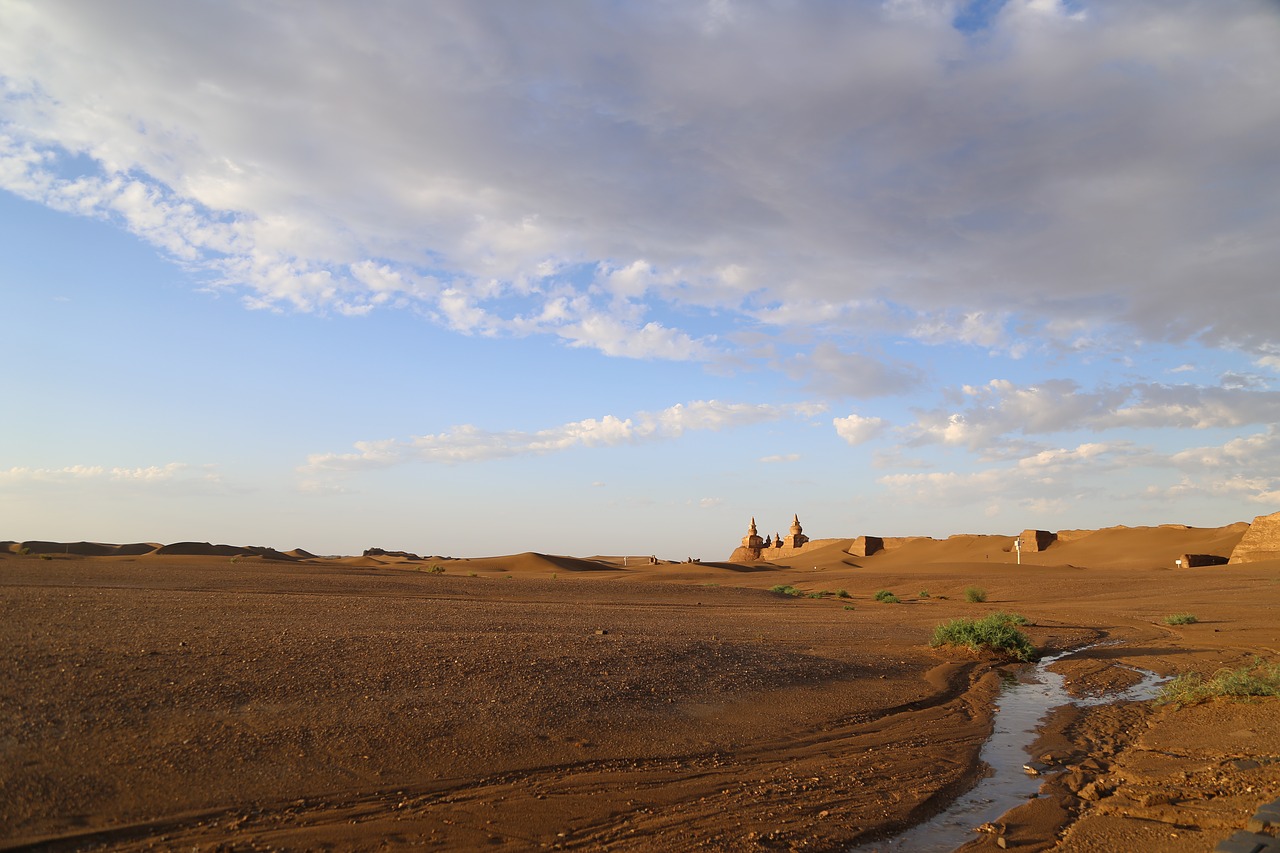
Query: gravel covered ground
x,y
185,701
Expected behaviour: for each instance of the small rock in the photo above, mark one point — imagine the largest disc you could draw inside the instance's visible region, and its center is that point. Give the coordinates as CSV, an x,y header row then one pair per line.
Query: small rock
x,y
1154,798
1095,791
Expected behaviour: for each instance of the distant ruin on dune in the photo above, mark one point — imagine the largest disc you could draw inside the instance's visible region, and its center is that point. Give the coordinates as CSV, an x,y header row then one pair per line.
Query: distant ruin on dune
x,y
771,547
1260,541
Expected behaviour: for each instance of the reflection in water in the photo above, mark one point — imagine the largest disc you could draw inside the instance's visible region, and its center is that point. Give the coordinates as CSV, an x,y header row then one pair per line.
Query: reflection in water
x,y
1028,696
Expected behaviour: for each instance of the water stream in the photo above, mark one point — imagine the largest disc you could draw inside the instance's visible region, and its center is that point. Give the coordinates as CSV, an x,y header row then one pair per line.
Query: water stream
x,y
1023,704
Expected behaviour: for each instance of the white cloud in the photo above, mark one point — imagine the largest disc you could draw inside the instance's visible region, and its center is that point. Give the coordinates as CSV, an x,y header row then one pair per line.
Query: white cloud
x,y
652,340
1064,175
856,429
469,443
780,457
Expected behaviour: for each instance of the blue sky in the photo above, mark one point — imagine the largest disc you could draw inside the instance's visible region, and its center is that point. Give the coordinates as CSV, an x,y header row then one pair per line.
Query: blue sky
x,y
613,278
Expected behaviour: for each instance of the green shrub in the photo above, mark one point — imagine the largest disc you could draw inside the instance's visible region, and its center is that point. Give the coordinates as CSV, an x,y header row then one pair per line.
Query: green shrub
x,y
848,607
886,597
975,594
786,589
997,632
437,569
924,593
1253,679
22,552
1181,619
842,593
46,556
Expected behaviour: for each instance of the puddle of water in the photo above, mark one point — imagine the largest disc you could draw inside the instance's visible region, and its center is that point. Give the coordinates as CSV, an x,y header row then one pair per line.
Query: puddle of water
x,y
1024,702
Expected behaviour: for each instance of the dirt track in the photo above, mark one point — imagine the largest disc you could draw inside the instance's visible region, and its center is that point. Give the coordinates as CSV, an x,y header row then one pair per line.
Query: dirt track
x,y
184,701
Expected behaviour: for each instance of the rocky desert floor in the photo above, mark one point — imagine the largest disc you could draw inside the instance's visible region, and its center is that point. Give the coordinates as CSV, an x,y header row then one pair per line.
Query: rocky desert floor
x,y
532,702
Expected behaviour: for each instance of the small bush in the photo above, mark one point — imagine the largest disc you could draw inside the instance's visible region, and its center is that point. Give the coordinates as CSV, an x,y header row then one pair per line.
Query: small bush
x,y
46,556
786,589
975,595
848,607
437,569
924,593
842,593
1181,619
886,597
1253,679
22,552
997,632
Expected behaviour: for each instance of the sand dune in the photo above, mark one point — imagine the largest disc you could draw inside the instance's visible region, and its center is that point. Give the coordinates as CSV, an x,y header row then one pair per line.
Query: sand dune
x,y
531,562
205,549
80,549
1140,547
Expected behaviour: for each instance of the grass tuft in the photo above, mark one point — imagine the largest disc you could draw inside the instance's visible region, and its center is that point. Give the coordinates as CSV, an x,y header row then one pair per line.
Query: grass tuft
x,y
1258,678
997,632
975,594
1181,619
786,589
886,597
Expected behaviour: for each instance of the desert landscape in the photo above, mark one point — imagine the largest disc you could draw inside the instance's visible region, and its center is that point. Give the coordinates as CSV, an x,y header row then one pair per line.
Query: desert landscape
x,y
197,696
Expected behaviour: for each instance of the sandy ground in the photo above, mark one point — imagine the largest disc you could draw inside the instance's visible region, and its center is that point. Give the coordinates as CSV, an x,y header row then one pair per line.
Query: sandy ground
x,y
527,702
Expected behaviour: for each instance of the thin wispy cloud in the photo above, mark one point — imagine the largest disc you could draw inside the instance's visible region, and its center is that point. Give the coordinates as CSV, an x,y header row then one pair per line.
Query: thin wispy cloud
x,y
79,475
469,443
999,409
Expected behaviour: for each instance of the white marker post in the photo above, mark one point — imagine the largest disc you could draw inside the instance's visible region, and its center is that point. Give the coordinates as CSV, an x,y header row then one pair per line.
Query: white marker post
x,y
1017,547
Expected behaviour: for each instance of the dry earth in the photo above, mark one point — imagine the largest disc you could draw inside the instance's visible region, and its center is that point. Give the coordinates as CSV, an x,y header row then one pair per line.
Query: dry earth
x,y
526,702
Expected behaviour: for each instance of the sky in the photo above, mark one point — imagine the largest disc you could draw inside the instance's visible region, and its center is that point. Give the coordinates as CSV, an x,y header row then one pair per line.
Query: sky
x,y
615,277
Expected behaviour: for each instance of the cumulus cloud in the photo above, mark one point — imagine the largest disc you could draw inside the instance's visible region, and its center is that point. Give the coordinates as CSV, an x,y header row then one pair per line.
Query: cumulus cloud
x,y
856,429
1058,175
469,443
